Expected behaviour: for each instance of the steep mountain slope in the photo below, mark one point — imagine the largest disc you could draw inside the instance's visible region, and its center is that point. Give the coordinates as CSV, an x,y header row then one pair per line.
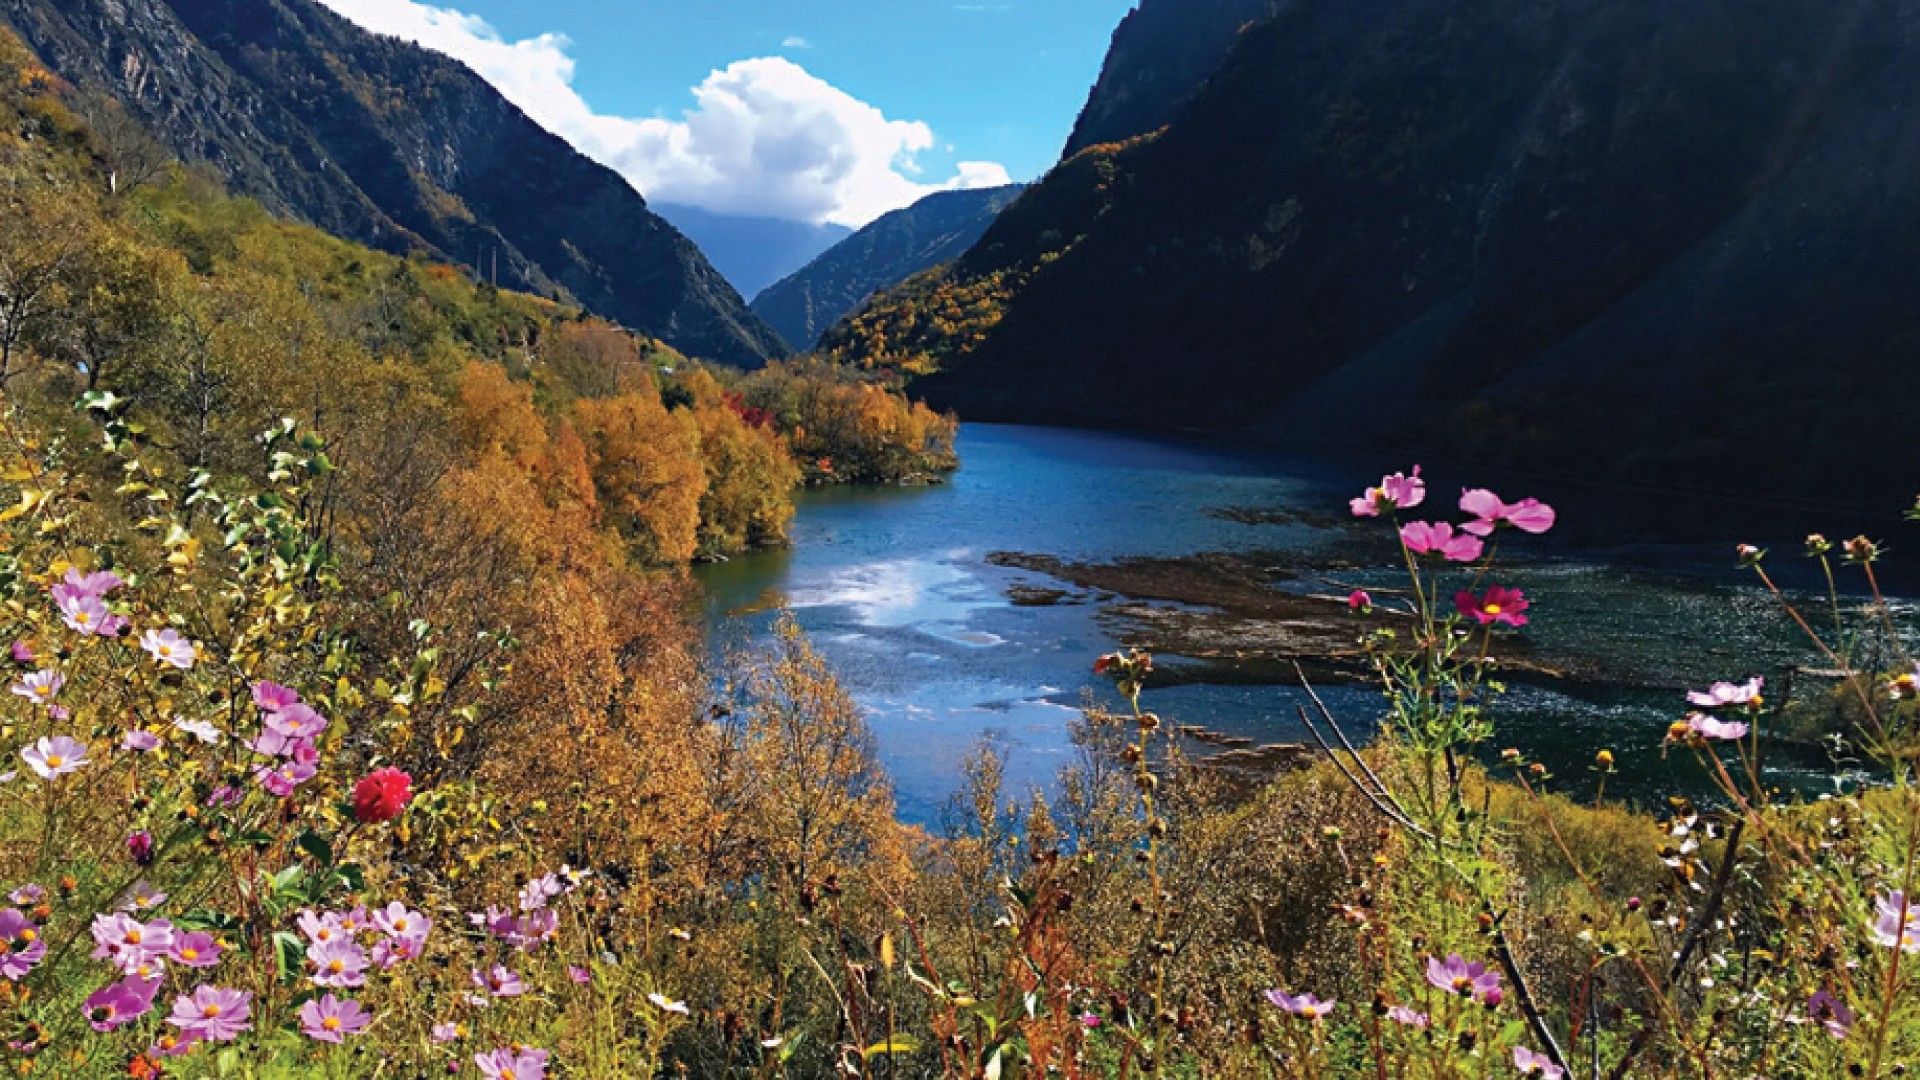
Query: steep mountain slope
x,y
751,252
1161,52
380,141
1612,238
892,249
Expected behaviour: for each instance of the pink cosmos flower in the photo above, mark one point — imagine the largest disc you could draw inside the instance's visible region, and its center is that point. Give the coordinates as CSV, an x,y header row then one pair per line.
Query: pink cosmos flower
x,y
213,1013
320,927
122,1003
397,922
331,1020
1500,605
296,721
195,950
272,697
1456,976
444,1033
542,889
1702,726
1830,1013
1723,694
168,647
390,952
174,1045
1304,1006
581,976
1898,924
507,1063
1427,538
24,945
1532,1064
499,981
55,757
270,743
40,686
281,780
1396,492
142,897
1400,1014
28,895
1527,515
338,963
140,741
354,920
97,583
22,652
88,615
129,944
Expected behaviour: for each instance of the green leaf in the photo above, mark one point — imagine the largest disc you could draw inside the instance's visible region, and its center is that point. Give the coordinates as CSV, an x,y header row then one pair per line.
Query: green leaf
x,y
290,953
898,1044
316,846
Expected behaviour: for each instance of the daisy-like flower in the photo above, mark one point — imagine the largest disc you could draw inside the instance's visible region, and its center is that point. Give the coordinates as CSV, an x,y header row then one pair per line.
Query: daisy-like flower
x,y
395,920
296,721
390,952
89,615
39,687
27,895
195,950
202,730
272,697
666,1004
508,1063
1400,1014
166,646
120,1004
1456,976
281,780
213,1013
1527,515
1304,1006
1725,694
499,981
140,741
1396,492
96,584
1532,1064
142,896
320,927
581,976
21,652
1507,607
1428,538
1898,923
129,944
1699,728
23,947
55,757
542,889
329,1019
338,963
445,1033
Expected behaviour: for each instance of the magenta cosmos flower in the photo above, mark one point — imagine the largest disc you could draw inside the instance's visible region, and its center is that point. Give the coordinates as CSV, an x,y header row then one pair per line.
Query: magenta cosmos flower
x,y
338,963
128,943
24,947
281,780
122,1003
508,1063
1489,513
56,756
1304,1006
1532,1064
500,981
40,687
213,1013
1428,538
272,697
1500,605
1396,492
168,647
1400,1014
1725,694
331,1020
195,950
1358,600
1456,976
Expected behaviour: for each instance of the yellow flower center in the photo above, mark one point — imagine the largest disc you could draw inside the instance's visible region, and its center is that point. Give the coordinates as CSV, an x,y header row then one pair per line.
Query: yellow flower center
x,y
43,691
133,937
1461,984
54,761
189,954
331,1023
29,935
210,1011
400,925
506,1074
81,617
1492,609
323,935
336,966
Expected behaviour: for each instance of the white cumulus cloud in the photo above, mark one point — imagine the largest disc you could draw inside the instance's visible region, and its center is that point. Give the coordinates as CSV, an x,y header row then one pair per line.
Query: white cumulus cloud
x,y
763,136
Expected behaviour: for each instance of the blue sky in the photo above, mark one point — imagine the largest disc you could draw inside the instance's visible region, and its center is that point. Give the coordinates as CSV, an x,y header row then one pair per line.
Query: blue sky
x,y
807,110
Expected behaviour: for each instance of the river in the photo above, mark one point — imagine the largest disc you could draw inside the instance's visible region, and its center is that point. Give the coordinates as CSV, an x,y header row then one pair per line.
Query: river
x,y
943,647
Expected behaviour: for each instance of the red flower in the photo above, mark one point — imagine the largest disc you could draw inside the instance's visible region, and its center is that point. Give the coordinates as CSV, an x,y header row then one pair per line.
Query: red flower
x,y
382,795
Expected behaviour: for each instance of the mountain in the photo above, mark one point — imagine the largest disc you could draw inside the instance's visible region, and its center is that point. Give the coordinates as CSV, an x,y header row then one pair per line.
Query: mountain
x,y
1620,240
751,252
1161,53
383,142
890,250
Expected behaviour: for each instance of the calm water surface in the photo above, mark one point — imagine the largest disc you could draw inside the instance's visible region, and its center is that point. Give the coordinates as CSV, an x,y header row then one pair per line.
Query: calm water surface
x,y
894,587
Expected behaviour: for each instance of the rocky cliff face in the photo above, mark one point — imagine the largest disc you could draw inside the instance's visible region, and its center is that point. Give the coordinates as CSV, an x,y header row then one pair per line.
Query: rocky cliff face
x,y
886,252
383,142
1616,239
1161,54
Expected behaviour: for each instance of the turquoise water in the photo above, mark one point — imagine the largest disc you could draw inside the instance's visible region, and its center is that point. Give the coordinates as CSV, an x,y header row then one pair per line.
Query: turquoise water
x,y
894,587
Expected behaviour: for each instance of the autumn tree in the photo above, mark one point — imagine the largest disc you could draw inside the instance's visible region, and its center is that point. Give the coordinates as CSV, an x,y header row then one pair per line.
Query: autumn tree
x,y
647,473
